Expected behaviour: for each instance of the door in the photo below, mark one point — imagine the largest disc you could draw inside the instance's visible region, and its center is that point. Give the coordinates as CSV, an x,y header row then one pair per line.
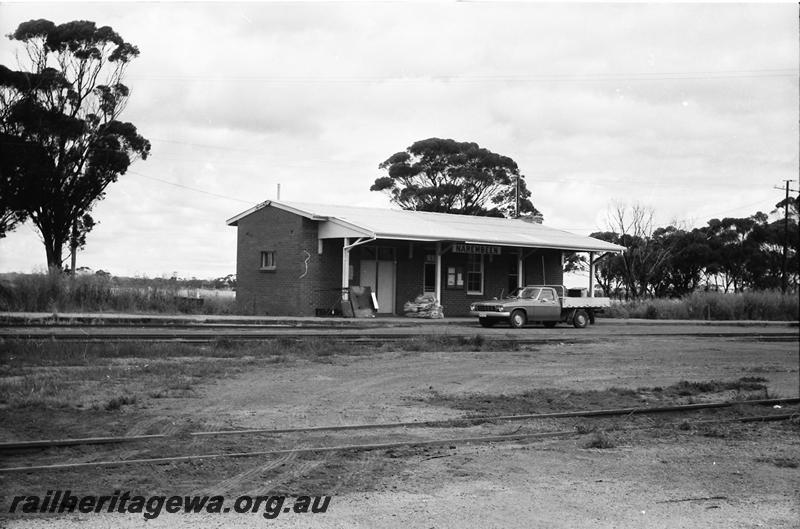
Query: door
x,y
547,307
429,275
380,277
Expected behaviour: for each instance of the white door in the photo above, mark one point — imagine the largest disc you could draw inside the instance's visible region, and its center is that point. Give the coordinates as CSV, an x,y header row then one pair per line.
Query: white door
x,y
379,276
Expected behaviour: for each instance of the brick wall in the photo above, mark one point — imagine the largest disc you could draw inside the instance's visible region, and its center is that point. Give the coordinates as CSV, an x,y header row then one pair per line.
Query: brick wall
x,y
496,270
321,288
283,291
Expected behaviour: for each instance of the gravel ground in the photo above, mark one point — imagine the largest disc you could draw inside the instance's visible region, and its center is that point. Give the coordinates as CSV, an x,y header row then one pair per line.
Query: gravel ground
x,y
738,476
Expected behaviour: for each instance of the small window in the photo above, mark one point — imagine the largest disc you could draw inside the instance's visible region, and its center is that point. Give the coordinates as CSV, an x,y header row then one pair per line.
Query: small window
x,y
530,293
475,274
547,295
268,260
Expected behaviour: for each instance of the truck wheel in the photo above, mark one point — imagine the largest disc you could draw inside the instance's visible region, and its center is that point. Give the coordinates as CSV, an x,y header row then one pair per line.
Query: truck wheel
x,y
517,319
550,324
580,319
486,322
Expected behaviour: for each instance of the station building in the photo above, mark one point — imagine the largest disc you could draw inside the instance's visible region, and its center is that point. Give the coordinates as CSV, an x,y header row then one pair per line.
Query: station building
x,y
296,259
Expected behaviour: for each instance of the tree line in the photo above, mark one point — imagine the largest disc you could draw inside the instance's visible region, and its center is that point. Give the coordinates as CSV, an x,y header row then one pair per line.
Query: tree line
x,y
726,255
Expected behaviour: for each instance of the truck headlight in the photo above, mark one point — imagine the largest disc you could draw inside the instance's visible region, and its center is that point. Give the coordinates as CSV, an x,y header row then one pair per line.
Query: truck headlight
x,y
472,308
499,308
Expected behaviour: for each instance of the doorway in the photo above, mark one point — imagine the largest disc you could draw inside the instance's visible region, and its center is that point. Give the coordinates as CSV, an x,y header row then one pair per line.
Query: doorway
x,y
378,271
429,275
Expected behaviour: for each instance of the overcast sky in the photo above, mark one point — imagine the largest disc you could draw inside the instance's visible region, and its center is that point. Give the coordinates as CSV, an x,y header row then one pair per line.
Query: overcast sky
x,y
689,108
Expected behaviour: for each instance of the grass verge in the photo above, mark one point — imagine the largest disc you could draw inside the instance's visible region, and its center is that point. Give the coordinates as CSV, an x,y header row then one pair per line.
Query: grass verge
x,y
550,400
760,306
59,292
113,376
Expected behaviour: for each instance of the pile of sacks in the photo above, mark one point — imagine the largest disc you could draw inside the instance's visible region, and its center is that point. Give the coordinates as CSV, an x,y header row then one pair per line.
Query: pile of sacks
x,y
423,306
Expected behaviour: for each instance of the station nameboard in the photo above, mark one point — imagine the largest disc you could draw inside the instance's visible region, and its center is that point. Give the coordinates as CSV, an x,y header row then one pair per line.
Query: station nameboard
x,y
481,249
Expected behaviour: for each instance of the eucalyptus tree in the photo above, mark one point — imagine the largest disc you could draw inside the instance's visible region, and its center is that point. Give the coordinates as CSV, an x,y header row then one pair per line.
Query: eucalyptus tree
x,y
59,116
448,176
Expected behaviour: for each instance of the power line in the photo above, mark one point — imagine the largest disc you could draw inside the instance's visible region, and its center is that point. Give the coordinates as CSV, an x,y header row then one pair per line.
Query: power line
x,y
196,190
572,228
676,221
465,78
312,162
206,146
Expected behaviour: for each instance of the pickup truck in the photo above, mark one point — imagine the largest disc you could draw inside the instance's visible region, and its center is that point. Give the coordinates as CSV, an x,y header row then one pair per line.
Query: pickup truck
x,y
547,304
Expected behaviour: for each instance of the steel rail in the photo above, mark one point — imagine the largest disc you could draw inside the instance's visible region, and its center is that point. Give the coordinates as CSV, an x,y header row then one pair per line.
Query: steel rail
x,y
370,338
24,445
369,446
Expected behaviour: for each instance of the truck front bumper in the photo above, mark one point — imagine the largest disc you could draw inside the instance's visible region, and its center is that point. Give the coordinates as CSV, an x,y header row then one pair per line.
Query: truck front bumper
x,y
489,314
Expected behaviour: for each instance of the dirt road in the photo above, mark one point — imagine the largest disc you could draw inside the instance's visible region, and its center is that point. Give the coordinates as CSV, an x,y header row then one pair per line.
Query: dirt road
x,y
736,476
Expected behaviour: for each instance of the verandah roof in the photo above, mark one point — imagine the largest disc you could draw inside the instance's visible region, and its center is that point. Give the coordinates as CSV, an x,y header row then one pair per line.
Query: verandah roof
x,y
351,221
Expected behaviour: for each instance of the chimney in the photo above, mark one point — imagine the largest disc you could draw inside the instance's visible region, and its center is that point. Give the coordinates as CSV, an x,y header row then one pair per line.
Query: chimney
x,y
533,219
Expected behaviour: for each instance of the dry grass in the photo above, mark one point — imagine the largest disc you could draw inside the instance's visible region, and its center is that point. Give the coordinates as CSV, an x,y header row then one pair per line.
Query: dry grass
x,y
547,400
762,306
599,439
111,376
449,344
108,376
59,292
685,388
780,462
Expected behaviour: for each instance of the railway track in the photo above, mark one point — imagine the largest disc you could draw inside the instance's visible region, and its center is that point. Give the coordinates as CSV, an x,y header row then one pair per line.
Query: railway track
x,y
218,444
213,333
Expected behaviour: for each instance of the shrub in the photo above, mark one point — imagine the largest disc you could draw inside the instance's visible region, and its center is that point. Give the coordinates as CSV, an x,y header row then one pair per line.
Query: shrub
x,y
59,292
760,305
599,439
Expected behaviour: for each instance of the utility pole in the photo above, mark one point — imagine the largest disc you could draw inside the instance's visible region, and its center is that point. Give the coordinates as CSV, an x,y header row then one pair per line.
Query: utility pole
x,y
516,197
784,282
784,278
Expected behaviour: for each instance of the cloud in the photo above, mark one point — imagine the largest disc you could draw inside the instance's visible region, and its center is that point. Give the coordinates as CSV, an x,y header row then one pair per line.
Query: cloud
x,y
692,108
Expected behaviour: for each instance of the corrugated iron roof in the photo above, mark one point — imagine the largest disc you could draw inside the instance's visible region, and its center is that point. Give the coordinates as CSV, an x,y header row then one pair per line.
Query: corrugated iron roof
x,y
354,221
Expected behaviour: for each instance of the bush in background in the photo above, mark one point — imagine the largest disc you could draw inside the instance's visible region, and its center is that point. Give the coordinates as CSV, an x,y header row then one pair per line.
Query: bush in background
x,y
756,305
59,292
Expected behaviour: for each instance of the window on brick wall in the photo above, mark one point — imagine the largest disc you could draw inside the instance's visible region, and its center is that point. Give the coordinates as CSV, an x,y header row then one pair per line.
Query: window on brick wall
x,y
268,260
475,274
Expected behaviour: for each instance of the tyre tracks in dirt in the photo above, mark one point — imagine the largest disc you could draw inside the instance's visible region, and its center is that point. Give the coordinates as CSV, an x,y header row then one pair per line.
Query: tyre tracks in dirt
x,y
235,481
377,437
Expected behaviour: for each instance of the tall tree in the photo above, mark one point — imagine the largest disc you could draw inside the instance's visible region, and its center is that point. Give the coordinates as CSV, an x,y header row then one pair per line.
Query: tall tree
x,y
644,256
689,256
789,223
17,158
737,244
60,117
610,271
447,176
